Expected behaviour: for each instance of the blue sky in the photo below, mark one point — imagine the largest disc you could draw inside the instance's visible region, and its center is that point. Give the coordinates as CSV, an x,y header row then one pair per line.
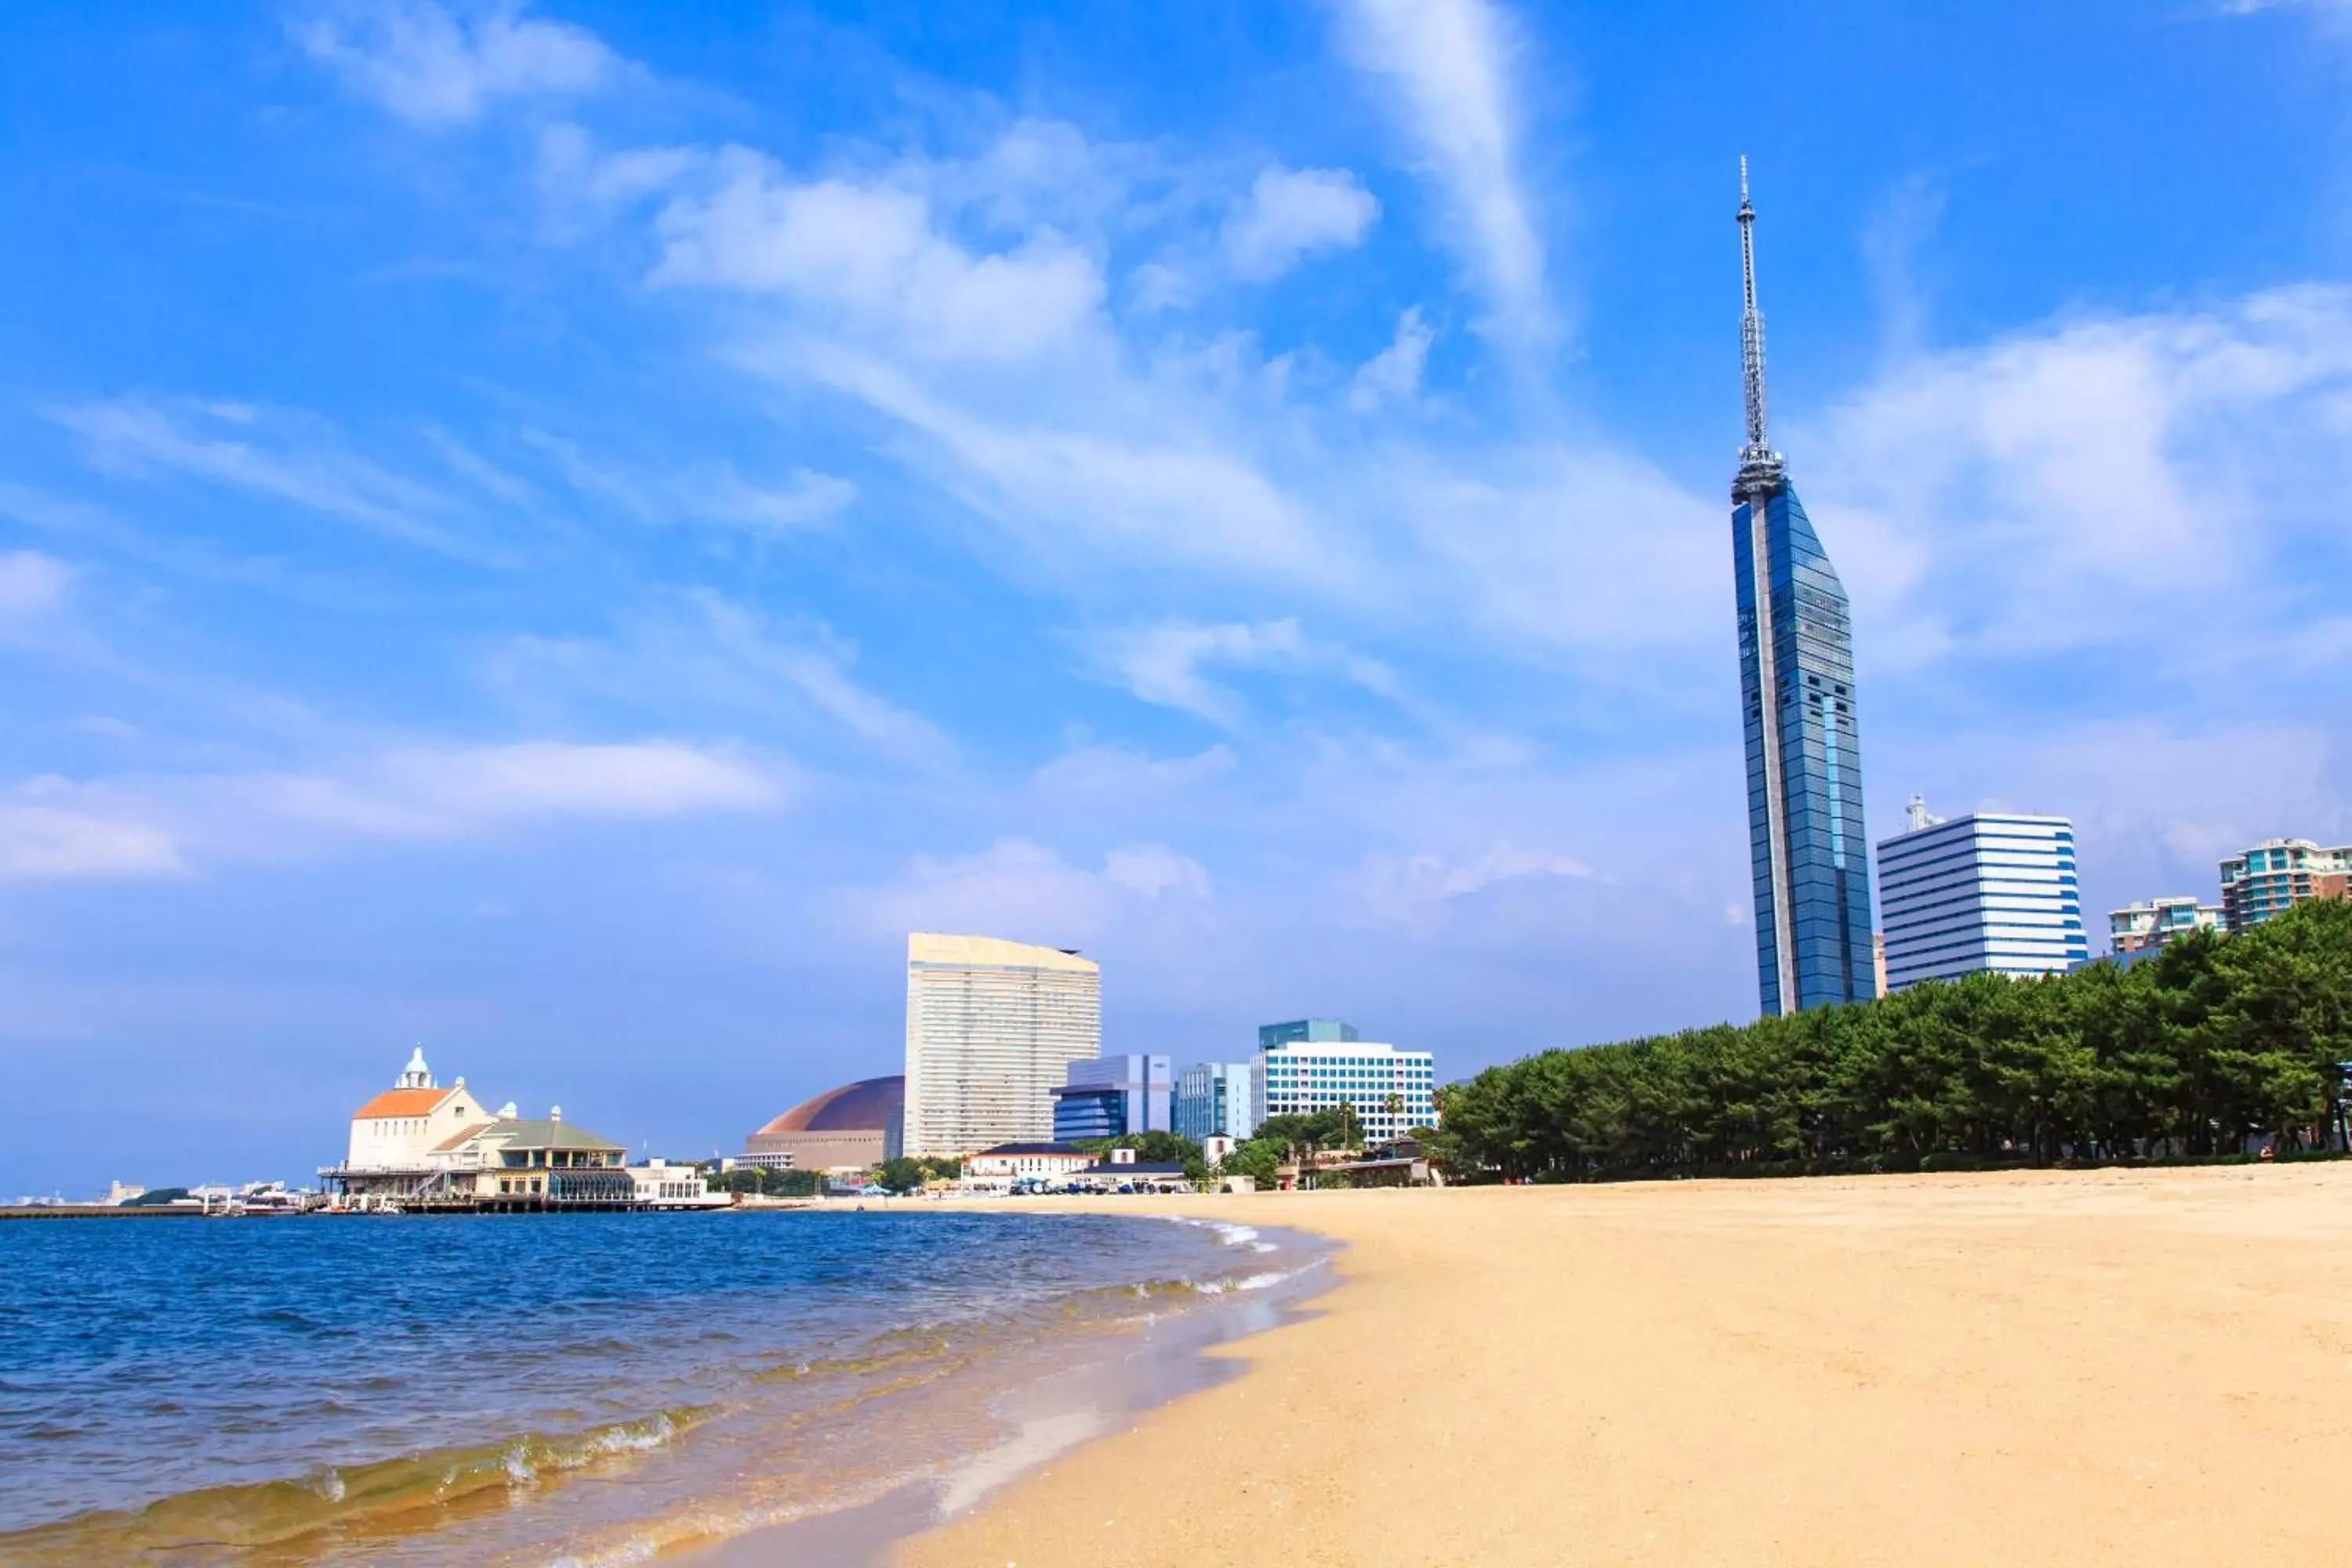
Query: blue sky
x,y
561,534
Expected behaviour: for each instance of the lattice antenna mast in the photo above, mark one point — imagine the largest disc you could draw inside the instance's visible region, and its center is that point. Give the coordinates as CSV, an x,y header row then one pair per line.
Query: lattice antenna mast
x,y
1760,466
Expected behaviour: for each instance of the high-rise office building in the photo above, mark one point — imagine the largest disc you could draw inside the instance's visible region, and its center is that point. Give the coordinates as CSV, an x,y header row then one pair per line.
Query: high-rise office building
x,y
1809,851
991,1027
1988,890
1110,1097
1213,1101
2278,874
1316,1029
1394,1091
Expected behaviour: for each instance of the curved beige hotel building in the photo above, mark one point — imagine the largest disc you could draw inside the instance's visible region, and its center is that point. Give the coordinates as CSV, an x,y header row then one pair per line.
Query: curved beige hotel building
x,y
992,1026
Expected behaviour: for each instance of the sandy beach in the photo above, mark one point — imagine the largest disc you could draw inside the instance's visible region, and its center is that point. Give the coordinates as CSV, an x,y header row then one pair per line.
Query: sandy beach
x,y
2099,1367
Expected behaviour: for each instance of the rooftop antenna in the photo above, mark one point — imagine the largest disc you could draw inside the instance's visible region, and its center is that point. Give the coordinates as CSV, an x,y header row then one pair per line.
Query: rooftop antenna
x,y
1760,466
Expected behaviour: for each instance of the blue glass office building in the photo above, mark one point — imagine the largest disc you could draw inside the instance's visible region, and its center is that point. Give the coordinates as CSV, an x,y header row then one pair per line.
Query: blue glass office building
x,y
1808,849
1110,1097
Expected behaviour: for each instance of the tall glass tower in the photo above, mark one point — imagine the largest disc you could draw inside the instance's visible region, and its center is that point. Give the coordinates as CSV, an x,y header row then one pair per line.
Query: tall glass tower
x,y
1810,855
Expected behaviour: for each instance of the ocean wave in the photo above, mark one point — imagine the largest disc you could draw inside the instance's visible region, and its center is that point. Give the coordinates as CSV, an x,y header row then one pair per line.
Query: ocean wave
x,y
1245,1282
352,1502
1229,1232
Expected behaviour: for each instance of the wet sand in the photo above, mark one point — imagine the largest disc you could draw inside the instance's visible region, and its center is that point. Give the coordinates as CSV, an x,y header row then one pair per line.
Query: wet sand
x,y
2098,1367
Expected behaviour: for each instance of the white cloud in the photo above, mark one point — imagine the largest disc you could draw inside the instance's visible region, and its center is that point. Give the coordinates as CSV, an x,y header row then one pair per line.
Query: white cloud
x,y
1448,62
1165,662
1562,548
45,843
867,260
2078,486
436,65
1135,472
1393,375
1154,869
31,585
444,790
1417,880
1020,888
1291,212
153,824
1102,773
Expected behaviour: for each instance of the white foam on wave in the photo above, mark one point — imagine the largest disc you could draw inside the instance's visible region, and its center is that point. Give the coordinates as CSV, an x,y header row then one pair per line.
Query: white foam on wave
x,y
622,1440
1231,1233
1246,1282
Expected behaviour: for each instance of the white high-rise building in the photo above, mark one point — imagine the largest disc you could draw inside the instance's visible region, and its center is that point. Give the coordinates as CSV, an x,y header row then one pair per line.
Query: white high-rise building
x,y
991,1028
1988,890
1393,1091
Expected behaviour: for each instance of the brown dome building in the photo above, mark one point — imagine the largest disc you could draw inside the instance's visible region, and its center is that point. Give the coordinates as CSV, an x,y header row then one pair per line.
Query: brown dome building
x,y
849,1128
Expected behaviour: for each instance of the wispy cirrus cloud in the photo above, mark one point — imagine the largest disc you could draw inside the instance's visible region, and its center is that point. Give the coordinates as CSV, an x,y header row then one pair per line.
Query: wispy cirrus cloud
x,y
289,459
694,650
1448,63
714,495
1169,662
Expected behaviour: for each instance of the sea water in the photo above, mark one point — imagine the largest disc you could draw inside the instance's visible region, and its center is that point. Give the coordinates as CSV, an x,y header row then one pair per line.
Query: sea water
x,y
548,1389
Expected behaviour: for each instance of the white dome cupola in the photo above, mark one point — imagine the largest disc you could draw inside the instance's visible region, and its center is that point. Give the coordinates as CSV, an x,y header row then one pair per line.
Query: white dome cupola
x,y
416,1075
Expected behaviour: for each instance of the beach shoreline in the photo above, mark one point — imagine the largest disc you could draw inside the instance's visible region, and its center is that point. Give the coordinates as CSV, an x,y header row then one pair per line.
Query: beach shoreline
x,y
1044,1411
1848,1370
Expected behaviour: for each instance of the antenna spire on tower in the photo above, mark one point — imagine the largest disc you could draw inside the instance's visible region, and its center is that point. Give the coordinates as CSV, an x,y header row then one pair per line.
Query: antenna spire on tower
x,y
1760,466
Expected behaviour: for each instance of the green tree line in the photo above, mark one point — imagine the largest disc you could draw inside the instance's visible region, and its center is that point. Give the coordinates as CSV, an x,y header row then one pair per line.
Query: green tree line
x,y
1292,1140
2211,1042
765,1182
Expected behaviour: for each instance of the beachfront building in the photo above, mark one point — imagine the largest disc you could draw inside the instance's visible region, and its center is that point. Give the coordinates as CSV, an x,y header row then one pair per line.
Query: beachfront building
x,y
1110,1097
991,1027
1124,1171
1392,1090
1990,890
1213,1101
1011,1163
2278,874
1808,852
2139,928
845,1129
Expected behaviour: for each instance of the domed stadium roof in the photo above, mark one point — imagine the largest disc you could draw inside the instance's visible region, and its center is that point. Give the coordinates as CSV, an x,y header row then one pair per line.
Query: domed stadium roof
x,y
866,1106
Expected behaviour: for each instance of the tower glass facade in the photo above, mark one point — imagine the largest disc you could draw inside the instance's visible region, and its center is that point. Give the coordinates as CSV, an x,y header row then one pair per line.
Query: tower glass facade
x,y
1809,852
1808,848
